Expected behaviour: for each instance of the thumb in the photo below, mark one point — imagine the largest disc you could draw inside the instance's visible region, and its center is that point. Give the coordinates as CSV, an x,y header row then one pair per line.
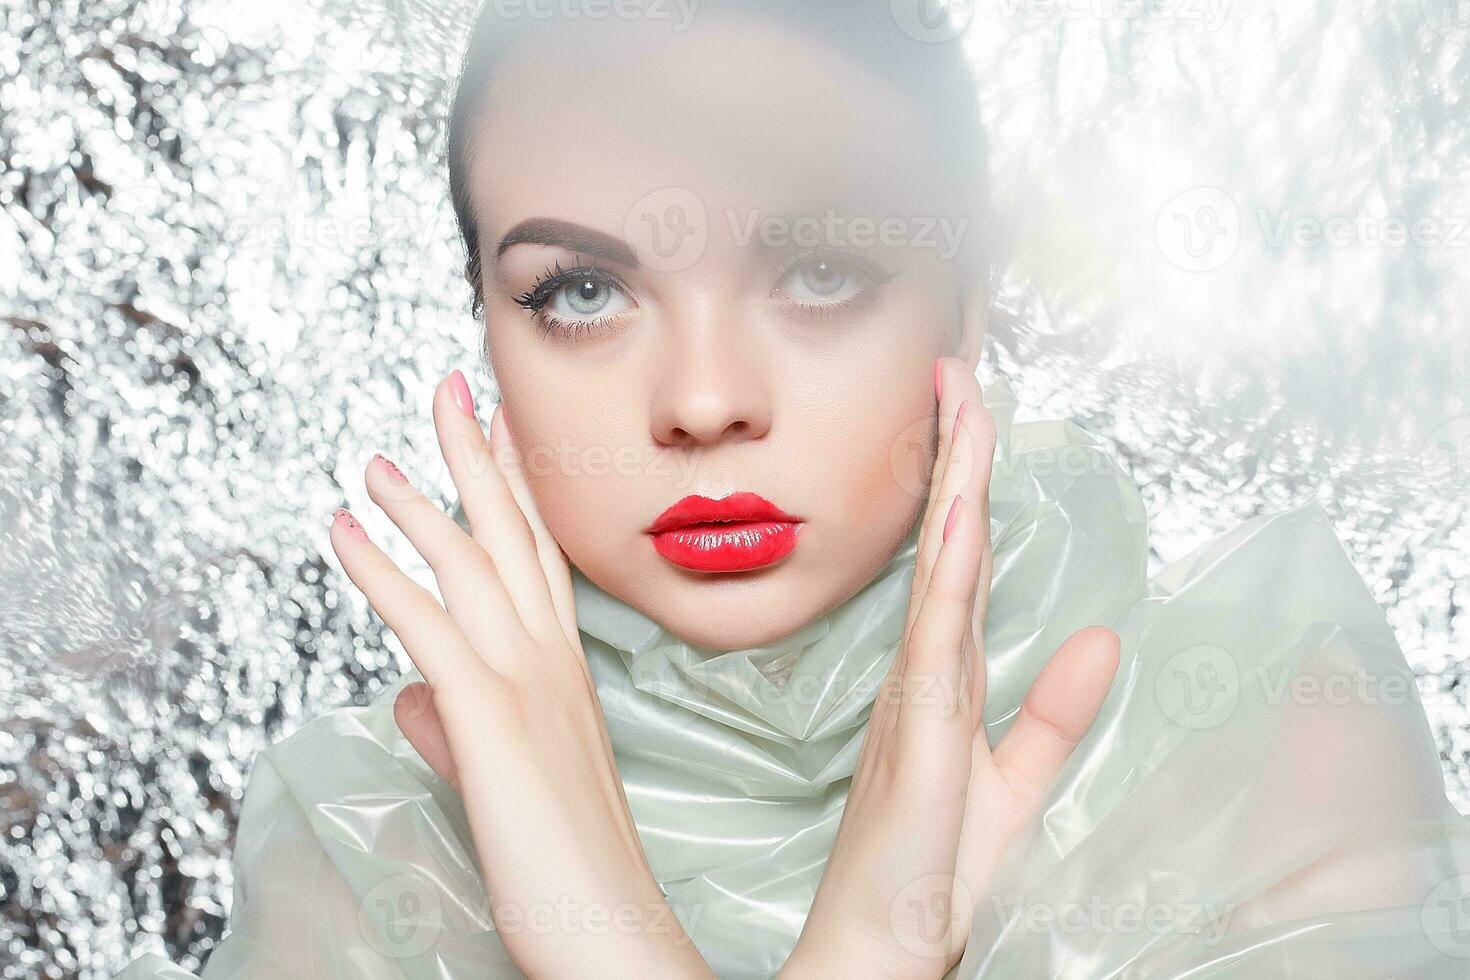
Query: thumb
x,y
1059,709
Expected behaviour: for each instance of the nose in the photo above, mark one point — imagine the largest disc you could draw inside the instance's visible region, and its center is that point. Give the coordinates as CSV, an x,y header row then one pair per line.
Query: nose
x,y
713,384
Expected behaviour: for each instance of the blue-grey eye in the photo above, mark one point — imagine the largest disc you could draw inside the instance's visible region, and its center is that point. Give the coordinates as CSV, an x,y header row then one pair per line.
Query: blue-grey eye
x,y
822,280
587,298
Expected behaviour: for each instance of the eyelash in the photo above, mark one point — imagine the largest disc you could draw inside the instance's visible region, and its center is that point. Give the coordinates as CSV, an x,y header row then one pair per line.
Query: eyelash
x,y
552,281
556,278
873,275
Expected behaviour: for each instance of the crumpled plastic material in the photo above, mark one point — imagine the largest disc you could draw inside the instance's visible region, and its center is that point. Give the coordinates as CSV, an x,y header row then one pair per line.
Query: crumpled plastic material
x,y
1259,797
229,274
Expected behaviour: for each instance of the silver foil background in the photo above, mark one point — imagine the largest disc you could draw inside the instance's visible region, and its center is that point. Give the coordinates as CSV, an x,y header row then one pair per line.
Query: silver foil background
x,y
228,274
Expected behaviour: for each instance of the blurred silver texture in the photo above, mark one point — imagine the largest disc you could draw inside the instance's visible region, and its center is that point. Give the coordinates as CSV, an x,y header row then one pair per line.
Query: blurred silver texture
x,y
228,274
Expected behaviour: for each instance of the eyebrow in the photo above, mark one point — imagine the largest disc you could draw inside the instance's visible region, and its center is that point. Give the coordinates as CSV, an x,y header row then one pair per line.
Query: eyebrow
x,y
571,236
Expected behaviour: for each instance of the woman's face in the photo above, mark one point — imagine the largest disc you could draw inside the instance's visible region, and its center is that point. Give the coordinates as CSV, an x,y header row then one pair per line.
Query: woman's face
x,y
660,326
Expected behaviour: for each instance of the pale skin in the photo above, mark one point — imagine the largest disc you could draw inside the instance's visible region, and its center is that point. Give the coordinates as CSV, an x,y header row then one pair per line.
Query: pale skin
x,y
730,373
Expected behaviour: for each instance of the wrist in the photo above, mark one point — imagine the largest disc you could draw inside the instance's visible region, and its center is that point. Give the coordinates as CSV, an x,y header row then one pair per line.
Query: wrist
x,y
856,953
632,933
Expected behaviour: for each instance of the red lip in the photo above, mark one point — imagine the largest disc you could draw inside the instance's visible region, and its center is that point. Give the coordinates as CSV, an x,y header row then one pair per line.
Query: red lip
x,y
732,534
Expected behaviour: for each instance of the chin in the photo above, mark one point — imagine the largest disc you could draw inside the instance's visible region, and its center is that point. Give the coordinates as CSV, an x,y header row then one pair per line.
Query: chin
x,y
731,611
738,633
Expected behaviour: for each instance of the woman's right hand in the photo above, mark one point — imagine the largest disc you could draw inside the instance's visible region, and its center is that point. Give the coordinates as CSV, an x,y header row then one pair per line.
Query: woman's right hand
x,y
931,807
510,715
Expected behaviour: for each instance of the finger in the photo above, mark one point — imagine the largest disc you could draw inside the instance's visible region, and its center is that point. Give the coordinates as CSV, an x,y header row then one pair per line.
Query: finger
x,y
981,606
987,554
968,476
433,641
553,562
418,719
950,396
496,520
930,533
473,593
973,438
976,666
1058,711
1007,786
959,459
972,454
952,389
939,641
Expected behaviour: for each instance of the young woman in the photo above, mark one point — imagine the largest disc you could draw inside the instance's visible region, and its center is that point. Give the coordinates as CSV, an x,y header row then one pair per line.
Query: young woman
x,y
768,644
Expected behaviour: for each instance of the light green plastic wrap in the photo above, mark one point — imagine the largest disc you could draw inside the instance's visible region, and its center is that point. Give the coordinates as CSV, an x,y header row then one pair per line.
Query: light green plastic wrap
x,y
1260,796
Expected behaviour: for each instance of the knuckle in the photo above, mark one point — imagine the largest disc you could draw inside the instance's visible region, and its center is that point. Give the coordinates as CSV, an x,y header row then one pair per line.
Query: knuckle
x,y
475,561
415,608
949,590
505,523
1048,730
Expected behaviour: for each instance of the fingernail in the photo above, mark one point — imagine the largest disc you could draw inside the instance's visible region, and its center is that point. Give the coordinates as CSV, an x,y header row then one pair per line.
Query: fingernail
x,y
958,416
938,379
344,517
389,468
461,391
954,513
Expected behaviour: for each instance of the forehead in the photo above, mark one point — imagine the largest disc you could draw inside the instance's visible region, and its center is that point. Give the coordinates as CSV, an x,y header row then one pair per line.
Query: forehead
x,y
584,120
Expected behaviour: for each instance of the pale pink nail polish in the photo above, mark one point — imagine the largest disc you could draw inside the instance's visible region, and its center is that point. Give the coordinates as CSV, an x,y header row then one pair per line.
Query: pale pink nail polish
x,y
958,417
460,389
344,517
954,513
389,468
938,379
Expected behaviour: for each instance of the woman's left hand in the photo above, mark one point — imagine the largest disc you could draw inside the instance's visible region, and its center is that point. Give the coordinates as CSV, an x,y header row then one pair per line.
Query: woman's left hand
x,y
510,715
931,807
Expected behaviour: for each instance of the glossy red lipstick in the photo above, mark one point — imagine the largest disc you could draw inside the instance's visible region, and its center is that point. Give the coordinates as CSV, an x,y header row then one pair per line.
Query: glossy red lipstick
x,y
732,534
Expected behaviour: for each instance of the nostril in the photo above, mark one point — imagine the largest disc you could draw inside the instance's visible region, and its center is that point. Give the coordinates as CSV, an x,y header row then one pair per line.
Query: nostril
x,y
709,430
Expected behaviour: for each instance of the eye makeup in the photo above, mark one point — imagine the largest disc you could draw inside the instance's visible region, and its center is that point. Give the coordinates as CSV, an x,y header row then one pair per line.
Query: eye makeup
x,y
576,301
817,285
825,283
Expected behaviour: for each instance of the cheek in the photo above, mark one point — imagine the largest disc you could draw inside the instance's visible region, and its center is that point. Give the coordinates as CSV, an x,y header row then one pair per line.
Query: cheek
x,y
884,438
587,493
883,456
586,469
